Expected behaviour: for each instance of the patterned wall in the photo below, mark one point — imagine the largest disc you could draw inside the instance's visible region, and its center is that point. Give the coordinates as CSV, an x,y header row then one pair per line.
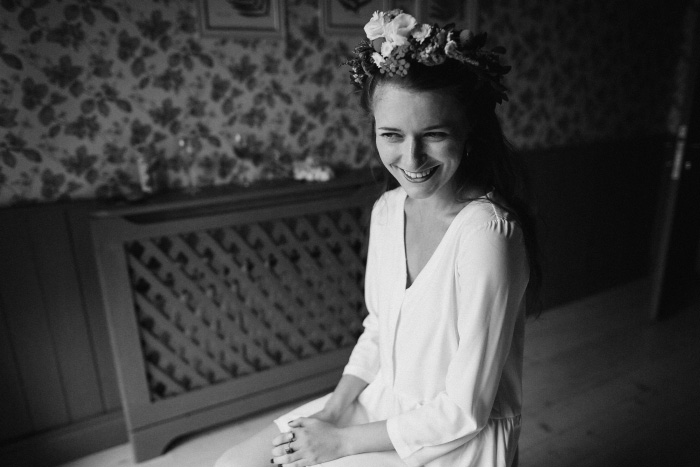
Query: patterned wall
x,y
87,87
588,70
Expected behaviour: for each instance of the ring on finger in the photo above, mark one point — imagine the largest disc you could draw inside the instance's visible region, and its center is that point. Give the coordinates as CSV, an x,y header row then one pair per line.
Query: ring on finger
x,y
289,449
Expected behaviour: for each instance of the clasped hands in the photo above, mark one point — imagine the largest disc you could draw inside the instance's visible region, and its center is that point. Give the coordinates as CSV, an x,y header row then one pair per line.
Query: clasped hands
x,y
312,440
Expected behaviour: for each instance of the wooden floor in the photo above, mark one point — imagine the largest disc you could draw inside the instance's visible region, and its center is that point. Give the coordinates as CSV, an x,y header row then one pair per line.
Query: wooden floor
x,y
602,388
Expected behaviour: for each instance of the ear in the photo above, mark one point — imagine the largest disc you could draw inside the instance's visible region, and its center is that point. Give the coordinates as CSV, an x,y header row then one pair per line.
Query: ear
x,y
467,147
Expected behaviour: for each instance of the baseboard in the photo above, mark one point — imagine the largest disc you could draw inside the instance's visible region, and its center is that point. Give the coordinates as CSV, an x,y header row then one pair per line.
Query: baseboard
x,y
67,443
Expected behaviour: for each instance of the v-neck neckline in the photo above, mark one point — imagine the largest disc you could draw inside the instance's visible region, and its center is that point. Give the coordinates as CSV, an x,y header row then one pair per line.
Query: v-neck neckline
x,y
408,287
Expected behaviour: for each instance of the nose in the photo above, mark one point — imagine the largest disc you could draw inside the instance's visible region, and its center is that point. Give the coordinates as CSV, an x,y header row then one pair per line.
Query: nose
x,y
414,153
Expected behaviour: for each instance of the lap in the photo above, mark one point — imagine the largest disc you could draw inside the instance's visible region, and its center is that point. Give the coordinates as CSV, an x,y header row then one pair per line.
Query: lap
x,y
255,452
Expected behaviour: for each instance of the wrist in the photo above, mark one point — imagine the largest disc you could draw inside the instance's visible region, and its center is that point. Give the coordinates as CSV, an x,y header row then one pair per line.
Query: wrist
x,y
347,445
333,412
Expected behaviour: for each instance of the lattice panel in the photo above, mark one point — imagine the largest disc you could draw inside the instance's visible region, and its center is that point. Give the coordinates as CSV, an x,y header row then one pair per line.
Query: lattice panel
x,y
216,305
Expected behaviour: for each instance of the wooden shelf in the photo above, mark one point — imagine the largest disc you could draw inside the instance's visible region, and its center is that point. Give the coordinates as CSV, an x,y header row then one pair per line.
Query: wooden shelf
x,y
210,200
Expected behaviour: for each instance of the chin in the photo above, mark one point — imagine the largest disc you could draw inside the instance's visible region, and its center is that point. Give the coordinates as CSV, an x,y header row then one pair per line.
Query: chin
x,y
418,191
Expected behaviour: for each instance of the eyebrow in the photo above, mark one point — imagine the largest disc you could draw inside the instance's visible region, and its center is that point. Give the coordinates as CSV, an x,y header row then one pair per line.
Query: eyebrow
x,y
432,127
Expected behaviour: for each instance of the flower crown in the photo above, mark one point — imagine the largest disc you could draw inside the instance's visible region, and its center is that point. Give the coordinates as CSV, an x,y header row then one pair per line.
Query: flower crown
x,y
395,40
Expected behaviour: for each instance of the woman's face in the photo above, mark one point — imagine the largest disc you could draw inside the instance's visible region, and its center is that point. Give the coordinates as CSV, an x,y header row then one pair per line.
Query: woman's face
x,y
421,137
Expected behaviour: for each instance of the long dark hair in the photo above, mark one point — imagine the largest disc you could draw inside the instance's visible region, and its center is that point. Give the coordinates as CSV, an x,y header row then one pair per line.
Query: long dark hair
x,y
491,163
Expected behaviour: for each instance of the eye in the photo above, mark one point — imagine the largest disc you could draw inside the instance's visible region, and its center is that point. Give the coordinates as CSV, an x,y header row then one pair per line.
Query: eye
x,y
390,136
436,135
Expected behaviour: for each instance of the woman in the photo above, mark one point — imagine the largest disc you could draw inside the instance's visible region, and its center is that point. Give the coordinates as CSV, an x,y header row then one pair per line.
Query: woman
x,y
435,379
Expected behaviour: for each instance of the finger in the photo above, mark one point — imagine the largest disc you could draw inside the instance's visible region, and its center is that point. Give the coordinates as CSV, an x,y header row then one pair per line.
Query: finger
x,y
283,438
282,449
299,463
279,439
299,422
286,458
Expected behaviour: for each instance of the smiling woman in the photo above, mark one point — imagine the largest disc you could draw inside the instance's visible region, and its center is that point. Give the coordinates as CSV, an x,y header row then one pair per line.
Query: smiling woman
x,y
421,137
435,378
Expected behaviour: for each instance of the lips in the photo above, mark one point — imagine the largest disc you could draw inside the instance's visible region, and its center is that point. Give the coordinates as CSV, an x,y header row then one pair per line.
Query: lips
x,y
418,177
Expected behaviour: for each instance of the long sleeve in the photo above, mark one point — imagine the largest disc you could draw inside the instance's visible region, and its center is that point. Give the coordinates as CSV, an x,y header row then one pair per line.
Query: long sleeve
x,y
491,275
364,360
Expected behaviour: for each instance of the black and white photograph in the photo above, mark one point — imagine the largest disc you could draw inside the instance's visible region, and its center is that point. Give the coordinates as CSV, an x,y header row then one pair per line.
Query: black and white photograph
x,y
349,233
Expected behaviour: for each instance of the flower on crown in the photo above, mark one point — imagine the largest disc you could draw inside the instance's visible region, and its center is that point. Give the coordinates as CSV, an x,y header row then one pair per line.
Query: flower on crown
x,y
395,40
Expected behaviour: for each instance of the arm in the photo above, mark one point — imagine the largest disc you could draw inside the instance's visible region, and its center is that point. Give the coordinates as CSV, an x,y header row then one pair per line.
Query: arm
x,y
344,394
318,439
364,360
492,275
363,364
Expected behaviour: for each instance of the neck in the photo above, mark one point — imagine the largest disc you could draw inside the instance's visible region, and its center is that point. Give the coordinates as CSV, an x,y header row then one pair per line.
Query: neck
x,y
443,204
435,207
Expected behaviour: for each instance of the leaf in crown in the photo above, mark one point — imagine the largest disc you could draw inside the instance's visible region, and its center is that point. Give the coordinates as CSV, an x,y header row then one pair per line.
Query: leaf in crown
x,y
251,8
354,5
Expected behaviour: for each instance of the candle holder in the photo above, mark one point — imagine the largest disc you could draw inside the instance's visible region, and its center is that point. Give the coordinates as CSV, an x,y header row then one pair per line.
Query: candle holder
x,y
189,147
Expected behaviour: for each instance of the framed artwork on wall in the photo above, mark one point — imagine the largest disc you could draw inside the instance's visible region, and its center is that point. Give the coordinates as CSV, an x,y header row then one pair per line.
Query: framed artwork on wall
x,y
242,18
347,17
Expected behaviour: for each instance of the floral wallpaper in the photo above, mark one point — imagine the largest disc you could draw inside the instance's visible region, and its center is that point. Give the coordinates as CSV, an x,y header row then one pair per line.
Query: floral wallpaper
x,y
89,88
92,89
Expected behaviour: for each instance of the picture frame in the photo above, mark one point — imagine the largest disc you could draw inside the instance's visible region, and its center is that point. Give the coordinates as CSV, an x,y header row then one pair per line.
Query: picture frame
x,y
223,18
346,17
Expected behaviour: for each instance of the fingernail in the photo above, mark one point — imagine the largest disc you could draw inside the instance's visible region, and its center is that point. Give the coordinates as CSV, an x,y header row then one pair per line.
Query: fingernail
x,y
272,461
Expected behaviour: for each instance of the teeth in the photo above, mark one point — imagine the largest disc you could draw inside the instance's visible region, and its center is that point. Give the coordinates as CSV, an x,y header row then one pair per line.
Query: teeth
x,y
417,174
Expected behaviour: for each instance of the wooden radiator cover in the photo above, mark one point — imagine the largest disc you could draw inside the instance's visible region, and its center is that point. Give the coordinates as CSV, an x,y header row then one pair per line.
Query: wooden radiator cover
x,y
222,306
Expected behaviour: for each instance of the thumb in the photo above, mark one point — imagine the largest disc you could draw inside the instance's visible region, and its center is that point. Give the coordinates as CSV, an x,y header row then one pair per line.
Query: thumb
x,y
299,422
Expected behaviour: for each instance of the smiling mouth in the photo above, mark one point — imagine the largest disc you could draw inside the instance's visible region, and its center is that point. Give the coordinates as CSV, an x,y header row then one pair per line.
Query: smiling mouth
x,y
418,177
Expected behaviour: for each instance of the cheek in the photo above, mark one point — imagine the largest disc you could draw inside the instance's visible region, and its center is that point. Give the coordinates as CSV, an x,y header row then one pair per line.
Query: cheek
x,y
385,152
451,152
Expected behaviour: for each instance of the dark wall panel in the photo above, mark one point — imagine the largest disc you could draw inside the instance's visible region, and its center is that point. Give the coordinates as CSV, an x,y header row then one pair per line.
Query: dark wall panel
x,y
56,269
14,413
86,270
596,206
26,316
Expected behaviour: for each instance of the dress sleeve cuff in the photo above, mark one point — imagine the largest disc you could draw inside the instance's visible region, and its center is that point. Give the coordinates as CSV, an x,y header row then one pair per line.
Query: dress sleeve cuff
x,y
402,449
360,372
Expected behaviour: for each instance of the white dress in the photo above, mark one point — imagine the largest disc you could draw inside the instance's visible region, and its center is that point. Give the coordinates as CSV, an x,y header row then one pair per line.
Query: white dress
x,y
443,357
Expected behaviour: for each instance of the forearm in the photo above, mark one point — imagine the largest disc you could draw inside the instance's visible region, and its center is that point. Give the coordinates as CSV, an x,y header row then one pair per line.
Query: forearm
x,y
345,393
370,437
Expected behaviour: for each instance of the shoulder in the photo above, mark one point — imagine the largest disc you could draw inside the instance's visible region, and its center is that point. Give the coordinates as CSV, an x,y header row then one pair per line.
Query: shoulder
x,y
487,229
491,244
484,215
